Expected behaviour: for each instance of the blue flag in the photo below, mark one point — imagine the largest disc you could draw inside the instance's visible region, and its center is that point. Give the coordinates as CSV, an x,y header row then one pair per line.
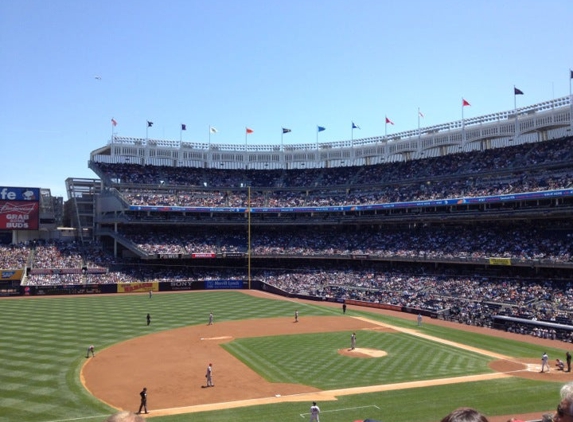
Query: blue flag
x,y
355,126
320,128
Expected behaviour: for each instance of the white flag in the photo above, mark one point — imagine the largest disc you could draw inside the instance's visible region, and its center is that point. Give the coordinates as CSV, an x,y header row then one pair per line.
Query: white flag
x,y
212,130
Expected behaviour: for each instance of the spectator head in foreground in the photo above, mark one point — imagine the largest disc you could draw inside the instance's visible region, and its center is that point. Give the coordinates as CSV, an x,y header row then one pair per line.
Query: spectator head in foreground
x,y
565,408
465,414
125,416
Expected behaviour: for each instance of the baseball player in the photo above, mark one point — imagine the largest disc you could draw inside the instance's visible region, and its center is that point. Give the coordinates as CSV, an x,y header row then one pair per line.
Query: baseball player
x,y
296,316
143,404
210,318
544,362
209,376
314,412
353,341
91,349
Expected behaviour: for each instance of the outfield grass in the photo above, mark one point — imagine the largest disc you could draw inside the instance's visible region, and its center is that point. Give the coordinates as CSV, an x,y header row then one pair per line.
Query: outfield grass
x,y
43,344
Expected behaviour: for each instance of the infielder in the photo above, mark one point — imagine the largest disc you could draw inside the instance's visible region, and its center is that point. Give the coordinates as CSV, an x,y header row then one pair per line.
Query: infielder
x,y
209,376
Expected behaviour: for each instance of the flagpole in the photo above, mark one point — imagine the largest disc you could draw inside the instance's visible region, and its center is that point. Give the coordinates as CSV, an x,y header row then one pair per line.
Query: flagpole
x,y
246,138
385,126
180,134
514,101
419,125
352,132
209,137
515,110
463,124
282,134
570,99
111,130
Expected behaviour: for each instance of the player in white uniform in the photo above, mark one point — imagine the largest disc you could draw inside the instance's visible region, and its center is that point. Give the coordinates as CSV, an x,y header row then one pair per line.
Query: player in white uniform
x,y
314,412
544,362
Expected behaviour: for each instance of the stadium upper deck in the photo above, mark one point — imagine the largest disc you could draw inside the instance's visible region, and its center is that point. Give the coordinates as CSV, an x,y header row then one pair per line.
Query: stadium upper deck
x,y
535,123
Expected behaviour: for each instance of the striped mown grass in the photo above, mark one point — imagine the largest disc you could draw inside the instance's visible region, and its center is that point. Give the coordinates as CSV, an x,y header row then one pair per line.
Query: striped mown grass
x,y
43,344
312,359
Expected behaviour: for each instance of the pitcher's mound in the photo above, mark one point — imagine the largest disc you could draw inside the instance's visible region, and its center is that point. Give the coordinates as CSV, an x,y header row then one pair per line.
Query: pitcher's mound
x,y
361,352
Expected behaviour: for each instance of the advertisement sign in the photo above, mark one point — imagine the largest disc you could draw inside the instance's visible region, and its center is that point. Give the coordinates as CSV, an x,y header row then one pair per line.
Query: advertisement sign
x,y
19,215
203,255
137,287
223,284
500,261
19,194
11,274
181,285
19,208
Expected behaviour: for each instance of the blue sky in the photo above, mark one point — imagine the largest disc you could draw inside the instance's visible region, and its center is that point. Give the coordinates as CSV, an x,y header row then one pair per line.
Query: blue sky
x,y
265,64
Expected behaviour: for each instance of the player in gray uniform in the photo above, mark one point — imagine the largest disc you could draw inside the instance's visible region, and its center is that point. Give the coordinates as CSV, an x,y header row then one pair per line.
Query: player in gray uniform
x,y
91,349
209,376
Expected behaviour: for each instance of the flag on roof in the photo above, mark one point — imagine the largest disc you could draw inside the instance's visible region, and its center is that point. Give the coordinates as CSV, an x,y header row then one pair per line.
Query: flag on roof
x,y
183,126
320,128
389,121
571,73
149,124
212,129
113,122
285,130
465,102
420,113
517,91
355,126
249,130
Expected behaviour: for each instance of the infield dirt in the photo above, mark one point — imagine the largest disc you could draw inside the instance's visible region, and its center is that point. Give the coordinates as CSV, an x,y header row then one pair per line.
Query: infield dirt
x,y
172,366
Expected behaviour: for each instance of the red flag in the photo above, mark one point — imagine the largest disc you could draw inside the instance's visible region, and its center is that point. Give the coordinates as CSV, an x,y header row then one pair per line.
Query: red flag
x,y
113,122
249,130
389,121
465,103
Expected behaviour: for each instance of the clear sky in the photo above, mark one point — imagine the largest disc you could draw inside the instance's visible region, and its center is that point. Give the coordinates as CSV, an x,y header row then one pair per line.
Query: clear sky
x,y
262,64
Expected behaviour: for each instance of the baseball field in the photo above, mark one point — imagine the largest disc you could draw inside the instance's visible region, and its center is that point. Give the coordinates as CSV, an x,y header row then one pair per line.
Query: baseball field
x,y
267,367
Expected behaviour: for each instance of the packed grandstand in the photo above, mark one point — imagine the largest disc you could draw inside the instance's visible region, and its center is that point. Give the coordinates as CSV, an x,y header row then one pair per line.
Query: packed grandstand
x,y
477,232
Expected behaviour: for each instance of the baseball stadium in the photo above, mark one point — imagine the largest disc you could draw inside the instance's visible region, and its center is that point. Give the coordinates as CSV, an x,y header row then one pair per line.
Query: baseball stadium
x,y
446,250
